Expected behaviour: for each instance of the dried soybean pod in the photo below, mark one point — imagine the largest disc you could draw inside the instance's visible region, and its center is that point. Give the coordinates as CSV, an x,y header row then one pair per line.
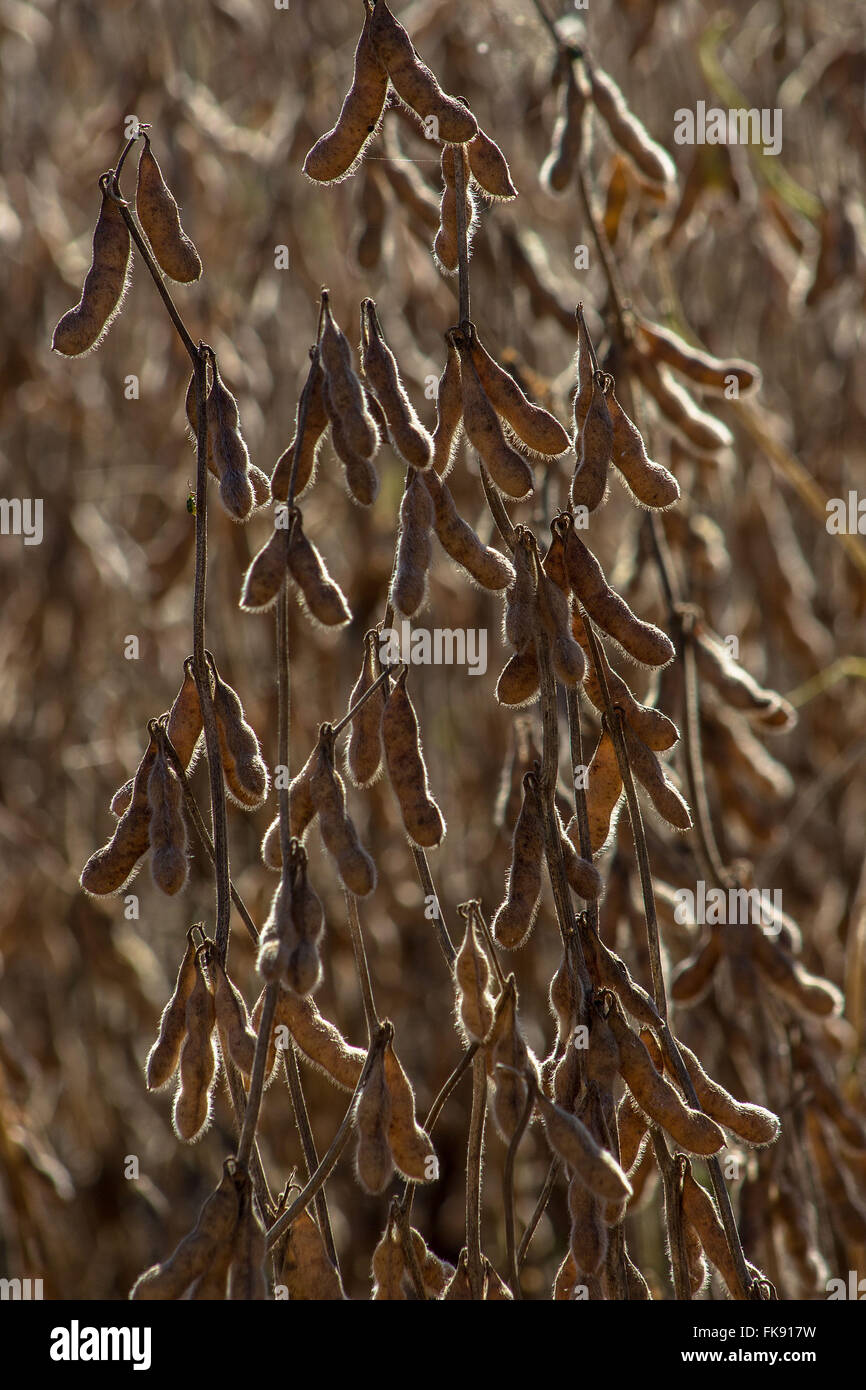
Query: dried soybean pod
x,y
191,408
472,978
184,727
650,483
336,154
414,83
539,430
110,868
593,446
669,803
582,875
411,190
487,566
697,428
511,473
374,1165
751,1123
458,1288
304,968
691,1129
407,770
588,1239
411,1149
435,1273
628,132
828,1098
569,133
167,829
843,1198
632,1129
700,1212
307,1271
266,573
211,1286
371,208
699,1270
246,776
449,412
364,749
644,642
232,1019
320,1041
585,369
490,167
520,607
692,977
121,799
810,992
247,1278
164,1056
519,680
710,373
314,430
733,682
566,1280
230,453
323,599
495,1289
272,854
414,548
344,392
446,245
261,485
408,435
362,480
654,728
506,1045
302,809
611,971
215,1224
602,1055
603,791
159,215
552,606
192,1102
515,916
389,1266
596,1168
339,835
84,326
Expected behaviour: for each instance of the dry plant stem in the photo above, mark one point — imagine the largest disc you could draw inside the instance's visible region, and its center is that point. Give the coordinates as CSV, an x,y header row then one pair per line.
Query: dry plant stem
x,y
497,507
371,690
439,922
474,1164
671,1182
608,264
257,1080
548,23
475,907
370,1014
540,1208
462,241
575,737
508,1188
311,1158
338,1143
303,409
694,763
436,1110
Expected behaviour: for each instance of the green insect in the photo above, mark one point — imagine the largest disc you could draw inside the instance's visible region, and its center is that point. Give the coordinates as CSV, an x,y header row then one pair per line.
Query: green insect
x,y
190,500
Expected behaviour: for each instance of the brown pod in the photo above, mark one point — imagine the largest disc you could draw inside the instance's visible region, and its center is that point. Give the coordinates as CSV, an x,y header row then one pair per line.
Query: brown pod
x,y
340,838
449,412
458,1289
515,916
256,1025
520,606
414,549
244,769
374,1165
314,430
344,392
698,430
159,215
407,770
408,435
651,160
411,1149
302,810
490,167
414,82
593,446
691,1129
191,408
602,1054
582,876
553,611
588,1239
708,372
184,727
737,688
609,970
751,1123
632,1128
323,599
700,1212
307,1272
810,993
435,1273
519,680
644,642
595,1166
121,799
191,1111
336,154
506,1046
84,326
650,483
319,1040
585,379
570,132
446,243
364,749
409,187
699,1270
472,978
539,430
110,868
266,573
277,938
362,480
191,1258
654,728
603,791
232,1019
167,828
692,977
487,566
164,1056
247,1278
669,803
511,473
389,1267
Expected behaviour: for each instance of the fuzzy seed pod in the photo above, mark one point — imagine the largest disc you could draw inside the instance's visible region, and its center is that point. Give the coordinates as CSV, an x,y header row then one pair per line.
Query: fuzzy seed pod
x,y
585,379
110,868
191,1112
563,998
389,1266
490,167
648,157
699,431
323,599
603,791
511,473
700,1212
449,412
570,132
230,453
214,1227
734,684
411,190
632,1129
566,1280
568,660
810,993
609,971
699,1270
554,562
159,215
708,372
364,749
472,978
411,1149
691,1129
515,916
307,1271
751,1123
246,776
458,1288
374,1165
602,1055
414,548
121,799
232,1019
644,642
487,566
408,435
539,430
302,809
651,726
361,478
692,977
414,82
184,727
266,573
304,970
211,1286
519,680
582,875
84,326
596,1168
588,1239
506,1045
446,244
314,431
593,446
320,1041
435,1273
843,1196
164,1056
520,607
337,153
344,397
340,838
167,829
407,770
650,483
669,802
247,1278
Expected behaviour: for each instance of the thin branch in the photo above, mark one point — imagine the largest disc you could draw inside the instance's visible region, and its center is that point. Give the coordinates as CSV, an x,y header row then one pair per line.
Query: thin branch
x,y
370,1013
474,1172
